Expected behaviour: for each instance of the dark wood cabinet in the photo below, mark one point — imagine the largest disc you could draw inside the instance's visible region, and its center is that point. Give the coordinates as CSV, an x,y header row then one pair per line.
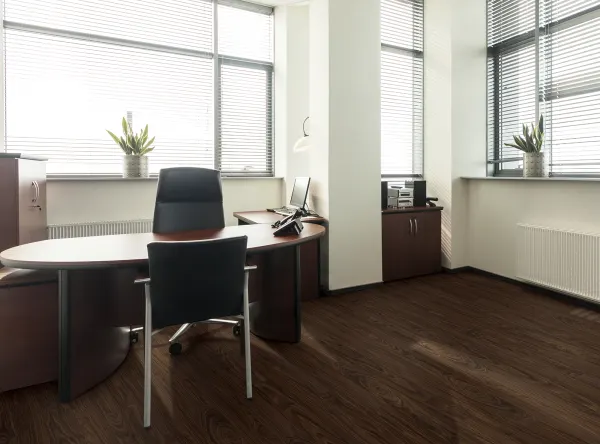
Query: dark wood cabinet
x,y
28,298
412,242
22,201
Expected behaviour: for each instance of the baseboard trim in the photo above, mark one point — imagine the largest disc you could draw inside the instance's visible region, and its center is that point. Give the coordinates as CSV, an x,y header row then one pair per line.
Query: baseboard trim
x,y
562,297
456,270
325,292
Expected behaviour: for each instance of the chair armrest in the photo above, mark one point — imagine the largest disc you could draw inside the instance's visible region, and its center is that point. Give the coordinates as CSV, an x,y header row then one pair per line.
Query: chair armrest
x,y
247,268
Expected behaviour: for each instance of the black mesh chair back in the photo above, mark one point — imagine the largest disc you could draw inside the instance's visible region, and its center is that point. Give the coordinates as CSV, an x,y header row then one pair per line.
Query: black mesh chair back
x,y
196,281
188,199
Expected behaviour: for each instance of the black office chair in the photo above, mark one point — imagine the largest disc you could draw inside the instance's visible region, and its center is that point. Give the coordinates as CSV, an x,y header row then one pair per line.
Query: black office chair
x,y
189,199
193,282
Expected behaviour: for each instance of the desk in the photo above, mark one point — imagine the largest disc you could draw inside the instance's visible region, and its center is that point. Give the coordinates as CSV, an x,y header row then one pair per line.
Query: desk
x,y
95,313
309,252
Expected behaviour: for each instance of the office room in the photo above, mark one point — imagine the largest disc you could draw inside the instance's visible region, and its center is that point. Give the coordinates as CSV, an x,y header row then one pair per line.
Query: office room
x,y
317,221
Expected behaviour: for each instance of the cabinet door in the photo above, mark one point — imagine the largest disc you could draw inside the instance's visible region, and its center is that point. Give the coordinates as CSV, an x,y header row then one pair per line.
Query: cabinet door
x,y
398,242
9,205
32,201
428,242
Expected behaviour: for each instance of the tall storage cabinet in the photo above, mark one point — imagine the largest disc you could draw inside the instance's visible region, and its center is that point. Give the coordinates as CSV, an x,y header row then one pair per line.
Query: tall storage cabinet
x,y
28,298
22,201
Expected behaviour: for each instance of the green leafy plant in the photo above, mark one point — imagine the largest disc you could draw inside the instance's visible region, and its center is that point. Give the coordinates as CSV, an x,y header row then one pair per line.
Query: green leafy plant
x,y
532,139
131,143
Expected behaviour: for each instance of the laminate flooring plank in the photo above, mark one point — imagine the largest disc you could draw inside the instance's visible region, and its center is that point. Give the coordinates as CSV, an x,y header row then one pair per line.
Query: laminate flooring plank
x,y
444,359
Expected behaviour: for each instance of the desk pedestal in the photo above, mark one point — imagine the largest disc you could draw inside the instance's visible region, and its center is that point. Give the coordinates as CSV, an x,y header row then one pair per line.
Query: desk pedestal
x,y
93,344
275,293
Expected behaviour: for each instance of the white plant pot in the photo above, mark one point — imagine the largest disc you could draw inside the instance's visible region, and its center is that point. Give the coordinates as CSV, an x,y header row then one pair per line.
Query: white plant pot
x,y
135,166
534,165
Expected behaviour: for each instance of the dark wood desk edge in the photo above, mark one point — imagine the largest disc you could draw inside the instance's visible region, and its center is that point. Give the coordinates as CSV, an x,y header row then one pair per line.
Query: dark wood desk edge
x,y
410,210
241,215
136,262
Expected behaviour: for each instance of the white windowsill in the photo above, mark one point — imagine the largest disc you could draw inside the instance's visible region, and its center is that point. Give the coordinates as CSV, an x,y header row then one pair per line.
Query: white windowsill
x,y
537,179
58,178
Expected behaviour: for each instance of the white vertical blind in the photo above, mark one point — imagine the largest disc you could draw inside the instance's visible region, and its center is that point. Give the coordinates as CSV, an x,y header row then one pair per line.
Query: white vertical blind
x,y
569,79
402,88
74,68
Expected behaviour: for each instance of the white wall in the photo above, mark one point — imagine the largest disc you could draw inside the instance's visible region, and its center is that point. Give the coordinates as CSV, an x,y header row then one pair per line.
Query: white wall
x,y
496,206
91,201
469,101
292,88
437,110
455,113
345,108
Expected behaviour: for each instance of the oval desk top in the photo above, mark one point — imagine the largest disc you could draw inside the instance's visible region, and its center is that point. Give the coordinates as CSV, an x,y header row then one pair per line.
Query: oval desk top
x,y
130,249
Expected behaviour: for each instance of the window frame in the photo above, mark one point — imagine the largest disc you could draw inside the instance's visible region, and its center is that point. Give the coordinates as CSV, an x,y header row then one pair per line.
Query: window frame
x,y
533,38
218,60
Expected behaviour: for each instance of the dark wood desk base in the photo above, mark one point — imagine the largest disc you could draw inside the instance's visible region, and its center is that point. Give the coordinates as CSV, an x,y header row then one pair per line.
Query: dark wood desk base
x,y
98,301
93,344
310,252
272,316
97,308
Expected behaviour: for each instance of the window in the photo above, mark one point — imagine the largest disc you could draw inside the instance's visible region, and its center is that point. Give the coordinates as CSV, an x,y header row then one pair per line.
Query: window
x,y
545,60
402,88
74,68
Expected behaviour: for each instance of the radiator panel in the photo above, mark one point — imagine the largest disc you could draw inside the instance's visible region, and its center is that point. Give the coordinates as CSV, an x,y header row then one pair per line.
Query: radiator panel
x,y
99,228
563,260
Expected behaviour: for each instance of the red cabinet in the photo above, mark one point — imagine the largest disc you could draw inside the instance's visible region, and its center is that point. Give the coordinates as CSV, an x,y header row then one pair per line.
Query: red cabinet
x,y
412,242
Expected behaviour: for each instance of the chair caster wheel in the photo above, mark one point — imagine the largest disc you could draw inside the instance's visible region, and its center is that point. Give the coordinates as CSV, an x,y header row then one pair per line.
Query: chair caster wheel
x,y
237,329
134,337
175,348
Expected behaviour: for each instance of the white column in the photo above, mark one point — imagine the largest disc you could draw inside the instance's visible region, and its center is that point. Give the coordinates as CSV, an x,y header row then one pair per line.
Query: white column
x,y
455,113
345,109
291,92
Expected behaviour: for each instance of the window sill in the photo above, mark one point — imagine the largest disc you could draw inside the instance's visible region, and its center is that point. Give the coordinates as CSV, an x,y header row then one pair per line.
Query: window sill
x,y
537,179
85,178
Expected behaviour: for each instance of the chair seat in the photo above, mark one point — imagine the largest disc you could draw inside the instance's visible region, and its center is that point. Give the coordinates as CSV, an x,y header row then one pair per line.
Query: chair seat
x,y
16,277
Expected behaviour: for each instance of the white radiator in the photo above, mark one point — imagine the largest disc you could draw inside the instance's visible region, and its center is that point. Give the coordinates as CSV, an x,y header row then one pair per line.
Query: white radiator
x,y
563,260
99,228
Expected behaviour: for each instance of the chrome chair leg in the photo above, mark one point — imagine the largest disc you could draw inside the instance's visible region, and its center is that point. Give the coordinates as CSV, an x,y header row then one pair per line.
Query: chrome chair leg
x,y
180,332
147,357
247,339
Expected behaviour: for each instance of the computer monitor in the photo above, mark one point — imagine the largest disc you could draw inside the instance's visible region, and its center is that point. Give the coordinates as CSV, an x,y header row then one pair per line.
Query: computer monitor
x,y
300,192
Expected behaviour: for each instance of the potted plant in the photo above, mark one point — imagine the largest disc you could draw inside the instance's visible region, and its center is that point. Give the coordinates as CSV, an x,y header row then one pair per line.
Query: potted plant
x,y
135,148
531,143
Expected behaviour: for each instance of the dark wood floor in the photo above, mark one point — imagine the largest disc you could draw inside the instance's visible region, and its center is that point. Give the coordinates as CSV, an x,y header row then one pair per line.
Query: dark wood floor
x,y
442,359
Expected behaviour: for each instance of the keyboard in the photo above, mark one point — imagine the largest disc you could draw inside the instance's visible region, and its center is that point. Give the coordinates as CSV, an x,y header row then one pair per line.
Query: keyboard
x,y
283,211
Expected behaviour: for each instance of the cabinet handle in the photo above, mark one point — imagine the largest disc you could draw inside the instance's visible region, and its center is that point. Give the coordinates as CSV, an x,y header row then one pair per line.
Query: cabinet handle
x,y
411,226
36,191
416,227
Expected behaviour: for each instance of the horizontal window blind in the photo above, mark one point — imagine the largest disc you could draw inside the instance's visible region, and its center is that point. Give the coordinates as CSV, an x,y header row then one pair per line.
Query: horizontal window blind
x,y
246,133
402,88
245,145
75,68
571,87
568,78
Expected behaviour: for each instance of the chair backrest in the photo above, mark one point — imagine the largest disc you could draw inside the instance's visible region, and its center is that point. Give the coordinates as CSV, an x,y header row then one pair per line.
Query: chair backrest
x,y
195,281
188,199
